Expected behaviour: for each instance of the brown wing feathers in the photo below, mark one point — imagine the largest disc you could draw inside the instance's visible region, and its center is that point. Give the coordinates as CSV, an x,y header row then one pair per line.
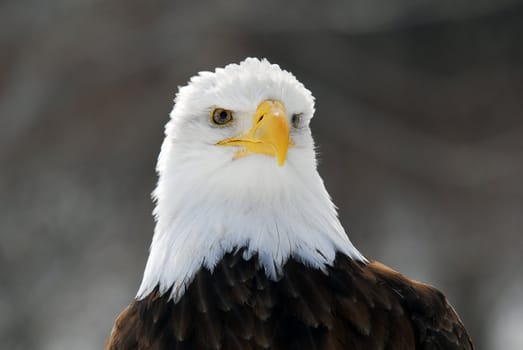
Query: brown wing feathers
x,y
350,306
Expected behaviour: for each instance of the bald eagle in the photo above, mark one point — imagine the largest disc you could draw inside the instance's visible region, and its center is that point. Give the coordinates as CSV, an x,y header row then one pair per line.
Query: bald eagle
x,y
248,251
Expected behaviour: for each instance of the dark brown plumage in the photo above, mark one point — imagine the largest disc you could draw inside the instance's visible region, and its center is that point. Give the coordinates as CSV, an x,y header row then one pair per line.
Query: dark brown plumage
x,y
350,305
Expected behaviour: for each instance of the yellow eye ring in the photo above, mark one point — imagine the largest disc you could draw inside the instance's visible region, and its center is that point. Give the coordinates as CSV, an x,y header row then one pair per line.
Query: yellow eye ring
x,y
220,116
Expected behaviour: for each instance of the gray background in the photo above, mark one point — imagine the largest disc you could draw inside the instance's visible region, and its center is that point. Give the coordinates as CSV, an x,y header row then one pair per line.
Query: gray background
x,y
419,124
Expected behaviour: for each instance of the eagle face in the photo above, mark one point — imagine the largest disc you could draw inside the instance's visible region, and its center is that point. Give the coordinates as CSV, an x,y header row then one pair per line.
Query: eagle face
x,y
249,117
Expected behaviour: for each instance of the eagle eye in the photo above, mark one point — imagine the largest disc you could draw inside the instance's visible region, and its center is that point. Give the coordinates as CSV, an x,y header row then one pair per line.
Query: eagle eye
x,y
220,116
296,119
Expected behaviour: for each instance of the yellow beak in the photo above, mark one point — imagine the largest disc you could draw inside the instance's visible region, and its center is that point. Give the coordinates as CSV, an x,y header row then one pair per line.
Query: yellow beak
x,y
269,135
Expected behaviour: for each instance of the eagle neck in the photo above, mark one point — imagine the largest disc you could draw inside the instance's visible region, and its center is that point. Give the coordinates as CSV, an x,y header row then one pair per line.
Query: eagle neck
x,y
273,212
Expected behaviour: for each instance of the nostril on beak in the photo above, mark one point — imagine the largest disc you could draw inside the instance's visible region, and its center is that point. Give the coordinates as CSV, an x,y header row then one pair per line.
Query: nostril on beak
x,y
261,118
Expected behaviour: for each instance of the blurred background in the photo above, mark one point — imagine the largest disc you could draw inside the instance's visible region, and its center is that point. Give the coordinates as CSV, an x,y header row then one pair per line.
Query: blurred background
x,y
419,124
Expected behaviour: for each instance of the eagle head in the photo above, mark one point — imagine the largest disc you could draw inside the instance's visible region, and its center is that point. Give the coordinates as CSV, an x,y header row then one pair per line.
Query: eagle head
x,y
237,169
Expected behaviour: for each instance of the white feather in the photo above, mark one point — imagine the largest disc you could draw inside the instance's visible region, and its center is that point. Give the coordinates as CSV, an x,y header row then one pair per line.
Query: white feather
x,y
208,204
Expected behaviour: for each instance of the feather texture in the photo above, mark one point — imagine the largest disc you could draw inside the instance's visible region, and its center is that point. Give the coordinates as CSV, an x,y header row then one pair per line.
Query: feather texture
x,y
351,305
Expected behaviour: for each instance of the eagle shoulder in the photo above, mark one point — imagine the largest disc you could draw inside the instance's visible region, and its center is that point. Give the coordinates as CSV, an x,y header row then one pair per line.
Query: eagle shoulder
x,y
435,322
139,326
123,333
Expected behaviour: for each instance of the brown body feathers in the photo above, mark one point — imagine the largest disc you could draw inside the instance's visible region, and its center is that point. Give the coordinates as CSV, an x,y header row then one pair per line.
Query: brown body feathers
x,y
350,305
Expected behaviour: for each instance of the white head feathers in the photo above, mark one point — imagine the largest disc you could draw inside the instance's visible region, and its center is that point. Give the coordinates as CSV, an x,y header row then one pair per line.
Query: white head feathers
x,y
208,203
